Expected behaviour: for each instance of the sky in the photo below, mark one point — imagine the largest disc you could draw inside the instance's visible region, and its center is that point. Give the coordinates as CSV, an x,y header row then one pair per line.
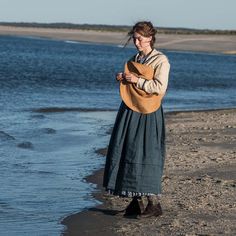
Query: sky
x,y
197,14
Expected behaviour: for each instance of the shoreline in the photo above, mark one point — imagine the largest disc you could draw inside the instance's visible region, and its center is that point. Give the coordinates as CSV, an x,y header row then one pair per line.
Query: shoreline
x,y
214,172
224,44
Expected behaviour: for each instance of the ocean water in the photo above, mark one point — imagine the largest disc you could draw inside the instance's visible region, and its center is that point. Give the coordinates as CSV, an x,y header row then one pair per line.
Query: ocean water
x,y
58,99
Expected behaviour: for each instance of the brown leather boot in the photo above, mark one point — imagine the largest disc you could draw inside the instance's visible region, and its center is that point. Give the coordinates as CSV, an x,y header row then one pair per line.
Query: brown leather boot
x,y
153,208
136,207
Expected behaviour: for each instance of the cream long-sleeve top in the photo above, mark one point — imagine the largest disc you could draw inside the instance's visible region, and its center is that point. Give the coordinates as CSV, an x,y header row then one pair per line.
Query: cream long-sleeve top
x,y
159,62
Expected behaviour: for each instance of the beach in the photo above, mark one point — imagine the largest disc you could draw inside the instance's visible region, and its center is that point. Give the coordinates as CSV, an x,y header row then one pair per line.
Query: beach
x,y
201,43
199,177
198,184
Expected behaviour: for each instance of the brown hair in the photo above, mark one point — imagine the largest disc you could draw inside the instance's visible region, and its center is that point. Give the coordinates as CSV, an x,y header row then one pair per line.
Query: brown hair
x,y
146,29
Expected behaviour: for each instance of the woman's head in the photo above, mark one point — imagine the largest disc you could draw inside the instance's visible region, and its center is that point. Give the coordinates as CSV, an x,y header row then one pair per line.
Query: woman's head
x,y
143,31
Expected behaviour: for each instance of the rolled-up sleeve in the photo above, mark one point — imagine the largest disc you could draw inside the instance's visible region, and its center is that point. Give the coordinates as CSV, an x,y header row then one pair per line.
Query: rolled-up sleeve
x,y
159,83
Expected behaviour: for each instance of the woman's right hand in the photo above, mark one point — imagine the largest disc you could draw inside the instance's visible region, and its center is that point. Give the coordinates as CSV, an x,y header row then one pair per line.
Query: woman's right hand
x,y
119,76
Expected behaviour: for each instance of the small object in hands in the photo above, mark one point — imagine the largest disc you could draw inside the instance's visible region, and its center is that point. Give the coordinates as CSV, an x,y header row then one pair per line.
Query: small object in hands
x,y
120,76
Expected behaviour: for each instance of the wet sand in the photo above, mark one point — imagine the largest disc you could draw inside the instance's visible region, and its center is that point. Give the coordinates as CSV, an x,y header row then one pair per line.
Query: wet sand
x,y
199,183
201,43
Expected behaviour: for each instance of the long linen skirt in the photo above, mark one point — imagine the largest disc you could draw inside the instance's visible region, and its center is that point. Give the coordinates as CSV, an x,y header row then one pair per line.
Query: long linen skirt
x,y
136,153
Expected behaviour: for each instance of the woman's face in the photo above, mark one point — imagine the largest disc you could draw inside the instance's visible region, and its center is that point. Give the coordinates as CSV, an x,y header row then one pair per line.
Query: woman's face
x,y
142,43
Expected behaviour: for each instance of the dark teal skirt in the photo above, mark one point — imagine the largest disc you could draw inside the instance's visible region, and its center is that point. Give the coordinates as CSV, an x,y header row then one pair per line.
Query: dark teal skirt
x,y
136,153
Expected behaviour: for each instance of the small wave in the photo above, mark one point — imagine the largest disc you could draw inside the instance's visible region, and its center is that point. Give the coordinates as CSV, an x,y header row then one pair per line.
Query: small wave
x,y
5,136
70,41
69,109
31,37
38,116
48,130
25,145
43,172
5,207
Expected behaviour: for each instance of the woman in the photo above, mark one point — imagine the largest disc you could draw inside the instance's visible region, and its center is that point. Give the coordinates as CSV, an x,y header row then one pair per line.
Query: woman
x,y
136,152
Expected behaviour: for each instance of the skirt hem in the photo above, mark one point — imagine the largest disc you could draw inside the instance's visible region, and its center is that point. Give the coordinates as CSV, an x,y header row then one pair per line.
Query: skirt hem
x,y
130,193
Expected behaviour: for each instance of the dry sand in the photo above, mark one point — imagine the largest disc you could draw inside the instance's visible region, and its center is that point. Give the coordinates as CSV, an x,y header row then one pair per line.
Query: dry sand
x,y
203,43
199,184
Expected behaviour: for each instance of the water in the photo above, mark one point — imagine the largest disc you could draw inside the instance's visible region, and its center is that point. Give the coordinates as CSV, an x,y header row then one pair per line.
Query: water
x,y
43,183
57,101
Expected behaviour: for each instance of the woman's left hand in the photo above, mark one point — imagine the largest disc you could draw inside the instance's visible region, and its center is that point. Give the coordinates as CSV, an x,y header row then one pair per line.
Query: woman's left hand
x,y
131,78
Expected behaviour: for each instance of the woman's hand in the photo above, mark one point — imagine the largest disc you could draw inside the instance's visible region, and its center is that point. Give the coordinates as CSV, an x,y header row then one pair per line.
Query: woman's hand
x,y
130,78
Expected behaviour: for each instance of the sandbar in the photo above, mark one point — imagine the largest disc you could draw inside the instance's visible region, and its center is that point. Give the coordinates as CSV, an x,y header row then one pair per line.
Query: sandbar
x,y
190,42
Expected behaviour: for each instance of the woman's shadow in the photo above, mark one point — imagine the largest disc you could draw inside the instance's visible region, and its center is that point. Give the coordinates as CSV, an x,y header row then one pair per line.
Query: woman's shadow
x,y
111,212
107,211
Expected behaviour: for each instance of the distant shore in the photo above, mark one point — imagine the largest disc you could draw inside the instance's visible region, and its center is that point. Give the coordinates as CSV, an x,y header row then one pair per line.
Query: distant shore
x,y
189,42
198,184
